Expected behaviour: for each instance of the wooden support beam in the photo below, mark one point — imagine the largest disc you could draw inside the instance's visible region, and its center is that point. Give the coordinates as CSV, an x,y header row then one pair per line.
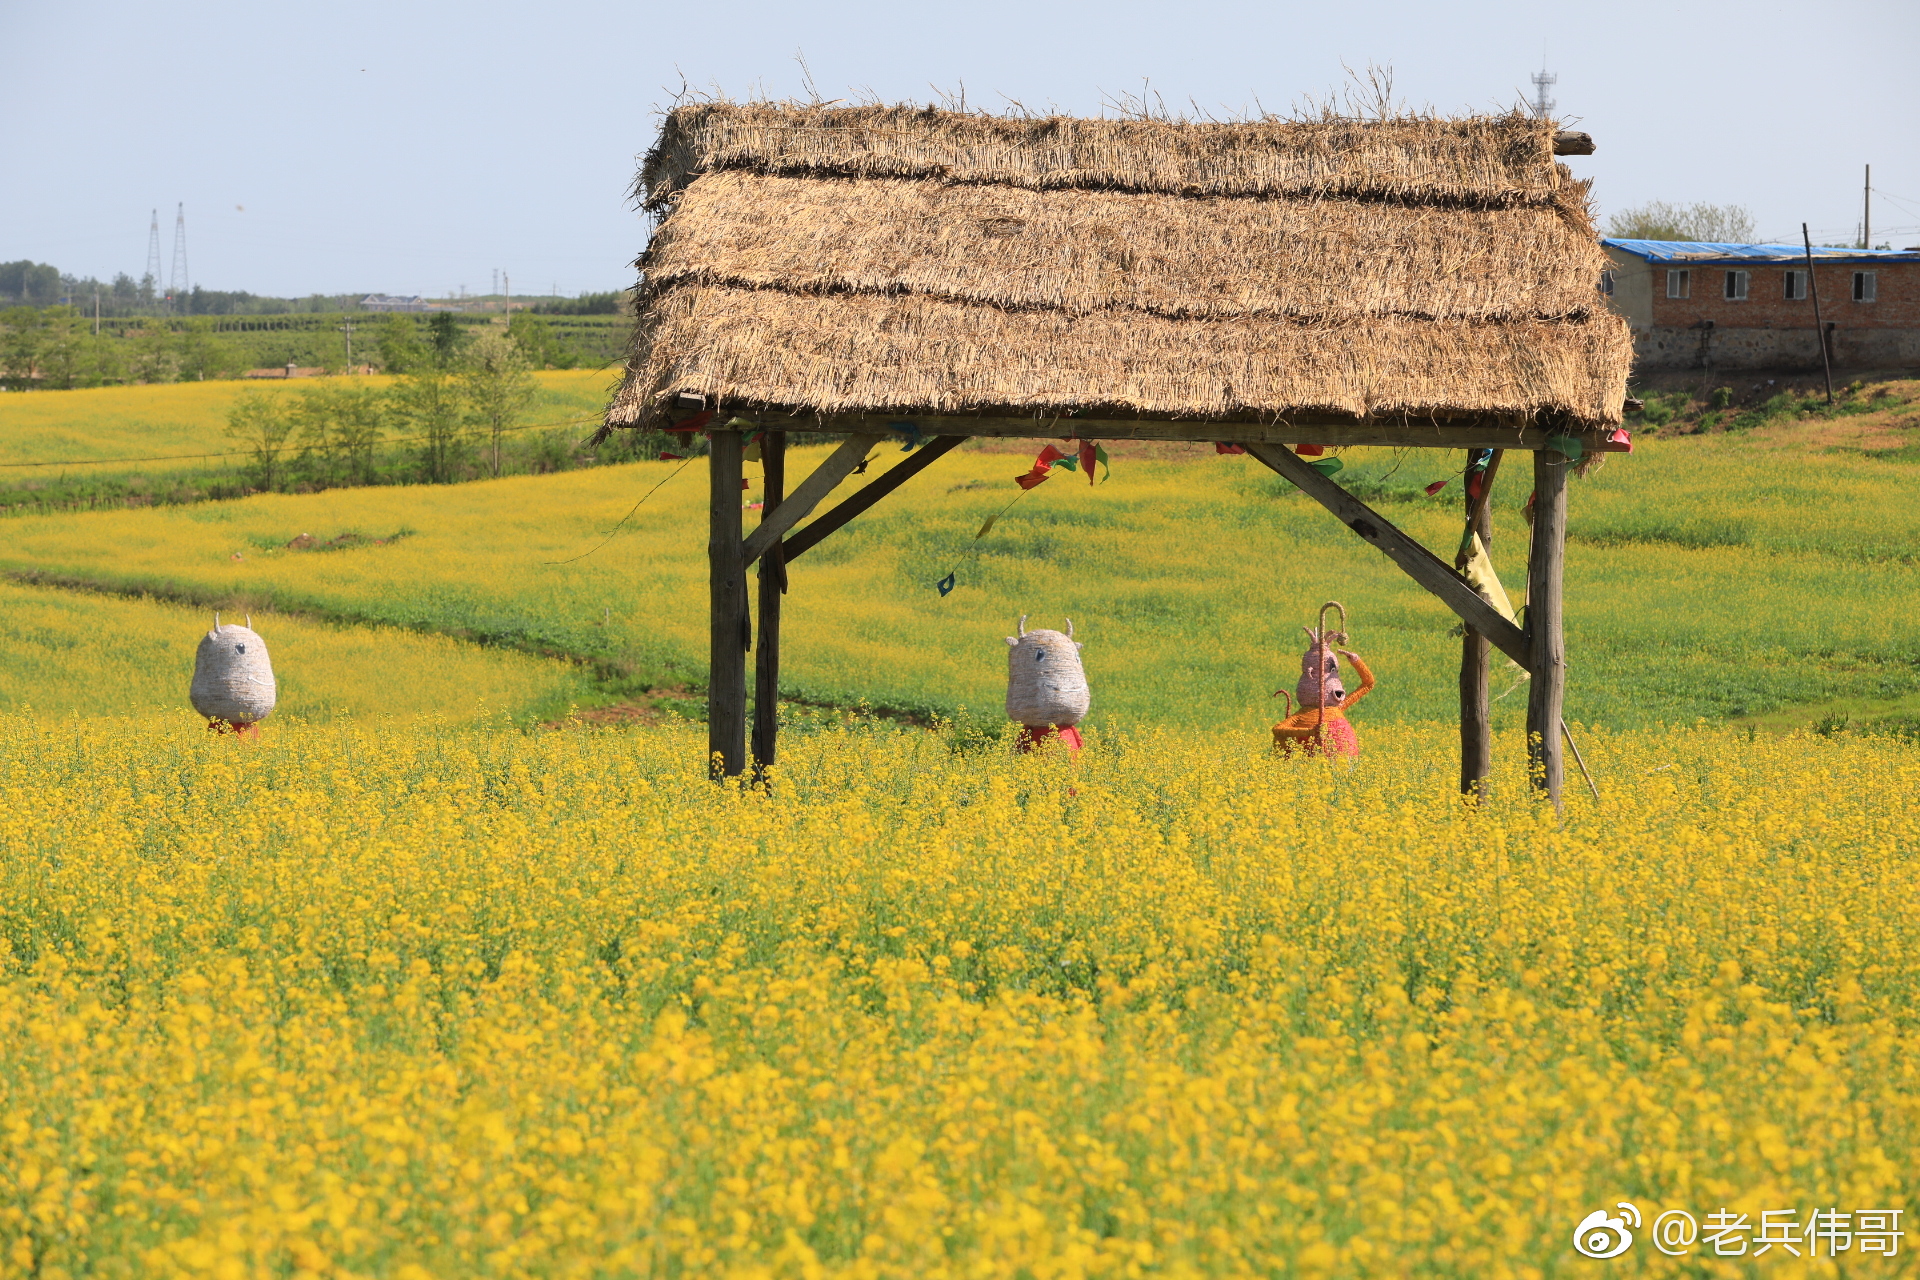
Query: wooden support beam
x,y
1546,642
901,472
1476,710
773,583
1446,433
1419,563
838,466
727,621
1570,143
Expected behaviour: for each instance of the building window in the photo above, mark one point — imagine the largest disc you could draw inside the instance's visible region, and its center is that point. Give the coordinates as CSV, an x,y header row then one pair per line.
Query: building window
x,y
1737,286
1679,285
1796,286
1863,285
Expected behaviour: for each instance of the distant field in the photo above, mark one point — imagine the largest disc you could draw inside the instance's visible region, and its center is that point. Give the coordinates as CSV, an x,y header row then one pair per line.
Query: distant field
x,y
68,654
105,423
1710,576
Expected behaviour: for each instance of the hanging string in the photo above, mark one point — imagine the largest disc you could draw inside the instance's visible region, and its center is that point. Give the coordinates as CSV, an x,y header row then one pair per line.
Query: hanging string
x,y
623,519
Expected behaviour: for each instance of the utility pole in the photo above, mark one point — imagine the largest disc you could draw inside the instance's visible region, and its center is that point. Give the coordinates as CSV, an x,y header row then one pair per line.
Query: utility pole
x,y
506,285
347,329
96,313
1819,333
1866,211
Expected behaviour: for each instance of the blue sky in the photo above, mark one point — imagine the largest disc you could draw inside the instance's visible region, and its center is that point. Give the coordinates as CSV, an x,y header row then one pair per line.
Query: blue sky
x,y
419,147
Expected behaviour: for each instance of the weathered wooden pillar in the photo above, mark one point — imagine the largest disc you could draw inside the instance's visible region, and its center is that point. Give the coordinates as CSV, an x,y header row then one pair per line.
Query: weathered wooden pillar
x,y
1546,639
729,633
1476,713
773,583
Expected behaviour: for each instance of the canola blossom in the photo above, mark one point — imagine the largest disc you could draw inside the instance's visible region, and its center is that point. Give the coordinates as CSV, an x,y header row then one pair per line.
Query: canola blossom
x,y
464,1001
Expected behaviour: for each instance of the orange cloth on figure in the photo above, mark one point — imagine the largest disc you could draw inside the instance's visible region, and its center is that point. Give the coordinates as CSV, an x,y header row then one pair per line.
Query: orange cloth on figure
x,y
1314,727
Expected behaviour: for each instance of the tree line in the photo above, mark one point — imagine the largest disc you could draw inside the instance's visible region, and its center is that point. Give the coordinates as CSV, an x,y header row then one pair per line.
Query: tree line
x,y
457,398
58,348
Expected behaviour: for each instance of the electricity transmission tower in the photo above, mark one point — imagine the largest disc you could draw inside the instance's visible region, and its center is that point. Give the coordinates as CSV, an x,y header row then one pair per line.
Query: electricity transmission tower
x,y
152,280
1542,104
177,286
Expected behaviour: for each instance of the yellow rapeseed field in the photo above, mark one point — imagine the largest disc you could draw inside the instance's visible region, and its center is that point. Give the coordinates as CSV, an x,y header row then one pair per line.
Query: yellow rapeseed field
x,y
105,423
79,656
457,1003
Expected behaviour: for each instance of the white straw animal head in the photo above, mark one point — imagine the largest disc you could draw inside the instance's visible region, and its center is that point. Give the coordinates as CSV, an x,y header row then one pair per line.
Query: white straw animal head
x,y
1046,685
232,676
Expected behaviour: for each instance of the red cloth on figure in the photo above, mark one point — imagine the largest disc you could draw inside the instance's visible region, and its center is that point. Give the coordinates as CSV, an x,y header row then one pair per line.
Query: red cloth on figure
x,y
1031,739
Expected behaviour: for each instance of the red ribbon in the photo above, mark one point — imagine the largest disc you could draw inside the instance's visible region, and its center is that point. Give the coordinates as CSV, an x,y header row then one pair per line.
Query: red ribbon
x,y
1031,739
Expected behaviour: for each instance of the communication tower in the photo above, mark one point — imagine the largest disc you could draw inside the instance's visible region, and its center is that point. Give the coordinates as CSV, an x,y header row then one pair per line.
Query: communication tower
x,y
1543,105
177,286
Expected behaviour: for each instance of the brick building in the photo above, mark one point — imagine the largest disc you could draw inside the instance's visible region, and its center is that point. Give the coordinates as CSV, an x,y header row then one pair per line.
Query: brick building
x,y
1695,305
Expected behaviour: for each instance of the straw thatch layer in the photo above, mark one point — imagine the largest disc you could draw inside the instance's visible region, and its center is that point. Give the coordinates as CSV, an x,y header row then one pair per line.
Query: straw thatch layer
x,y
1085,251
1494,160
850,353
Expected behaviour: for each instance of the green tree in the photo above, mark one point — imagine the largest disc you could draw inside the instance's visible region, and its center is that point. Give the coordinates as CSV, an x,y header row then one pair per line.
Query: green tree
x,y
341,426
400,345
261,423
202,353
22,346
537,342
497,385
1659,220
431,406
151,354
66,348
443,334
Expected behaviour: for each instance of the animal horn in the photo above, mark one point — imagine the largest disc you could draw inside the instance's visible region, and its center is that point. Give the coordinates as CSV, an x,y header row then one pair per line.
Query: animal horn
x,y
216,619
249,622
1069,628
1023,624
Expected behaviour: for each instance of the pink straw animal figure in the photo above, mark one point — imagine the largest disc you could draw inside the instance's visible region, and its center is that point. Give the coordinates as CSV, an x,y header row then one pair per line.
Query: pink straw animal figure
x,y
1321,724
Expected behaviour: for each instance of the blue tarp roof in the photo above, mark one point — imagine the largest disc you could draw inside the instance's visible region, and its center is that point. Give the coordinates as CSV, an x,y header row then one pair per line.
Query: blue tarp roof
x,y
1708,251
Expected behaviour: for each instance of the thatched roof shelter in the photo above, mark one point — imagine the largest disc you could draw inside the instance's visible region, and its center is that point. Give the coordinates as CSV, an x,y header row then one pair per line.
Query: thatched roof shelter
x,y
837,262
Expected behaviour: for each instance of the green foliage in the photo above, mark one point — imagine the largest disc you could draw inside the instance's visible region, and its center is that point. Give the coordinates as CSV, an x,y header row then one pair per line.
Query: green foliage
x,y
402,347
587,304
444,339
1659,220
497,387
29,283
261,424
340,428
536,340
431,406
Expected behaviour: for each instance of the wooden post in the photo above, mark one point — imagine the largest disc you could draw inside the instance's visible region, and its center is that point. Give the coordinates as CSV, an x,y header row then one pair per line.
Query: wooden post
x,y
773,584
1546,641
727,622
1476,713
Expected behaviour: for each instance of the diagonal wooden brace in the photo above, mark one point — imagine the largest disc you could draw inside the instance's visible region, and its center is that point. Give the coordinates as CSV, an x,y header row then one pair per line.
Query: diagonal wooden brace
x,y
901,472
838,466
1419,563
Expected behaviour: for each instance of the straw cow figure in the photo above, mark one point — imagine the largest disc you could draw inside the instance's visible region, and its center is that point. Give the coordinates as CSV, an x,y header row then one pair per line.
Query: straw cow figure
x,y
1046,685
233,683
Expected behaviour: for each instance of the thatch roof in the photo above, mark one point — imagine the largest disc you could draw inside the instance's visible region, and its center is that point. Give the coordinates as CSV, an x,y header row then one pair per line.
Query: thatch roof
x,y
875,260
